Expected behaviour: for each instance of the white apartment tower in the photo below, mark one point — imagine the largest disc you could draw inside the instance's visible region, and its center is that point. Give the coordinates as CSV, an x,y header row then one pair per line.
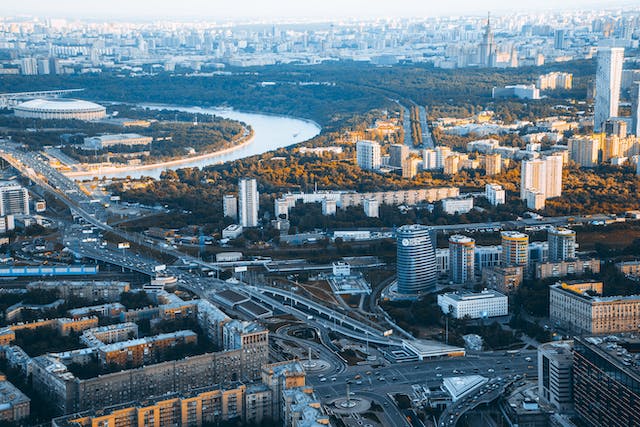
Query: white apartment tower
x,y
532,177
608,81
541,176
248,202
553,185
368,155
230,206
495,194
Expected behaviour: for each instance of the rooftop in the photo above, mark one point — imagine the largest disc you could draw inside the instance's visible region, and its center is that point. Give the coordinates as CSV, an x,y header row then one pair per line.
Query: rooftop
x,y
469,296
622,350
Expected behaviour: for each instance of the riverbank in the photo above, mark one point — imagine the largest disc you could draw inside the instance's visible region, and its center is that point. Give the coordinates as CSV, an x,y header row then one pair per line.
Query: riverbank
x,y
100,170
270,132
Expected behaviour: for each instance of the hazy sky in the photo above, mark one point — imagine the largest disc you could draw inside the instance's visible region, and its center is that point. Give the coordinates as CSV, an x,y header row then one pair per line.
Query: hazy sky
x,y
269,9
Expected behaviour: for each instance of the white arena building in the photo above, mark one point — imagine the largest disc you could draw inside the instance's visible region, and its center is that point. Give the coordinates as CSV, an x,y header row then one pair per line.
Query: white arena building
x,y
60,109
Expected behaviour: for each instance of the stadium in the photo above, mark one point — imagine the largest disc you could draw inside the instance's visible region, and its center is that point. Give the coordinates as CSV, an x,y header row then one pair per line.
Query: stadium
x,y
60,109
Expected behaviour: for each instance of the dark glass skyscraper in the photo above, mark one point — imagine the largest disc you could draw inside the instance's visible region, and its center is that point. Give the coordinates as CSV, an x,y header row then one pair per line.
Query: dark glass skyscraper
x,y
416,260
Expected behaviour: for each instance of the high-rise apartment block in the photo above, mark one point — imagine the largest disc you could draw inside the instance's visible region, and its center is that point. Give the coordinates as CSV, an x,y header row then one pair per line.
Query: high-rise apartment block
x,y
230,206
416,260
397,154
368,155
540,179
608,80
562,244
495,194
461,259
585,150
429,159
492,164
14,199
554,81
248,202
515,249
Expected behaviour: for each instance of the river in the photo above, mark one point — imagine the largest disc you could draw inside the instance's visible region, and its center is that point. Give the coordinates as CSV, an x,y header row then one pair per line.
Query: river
x,y
270,133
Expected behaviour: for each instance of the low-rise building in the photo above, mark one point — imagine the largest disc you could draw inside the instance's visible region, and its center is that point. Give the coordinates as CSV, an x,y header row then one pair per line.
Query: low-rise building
x,y
474,305
89,290
233,231
458,205
504,279
629,268
107,141
14,405
545,270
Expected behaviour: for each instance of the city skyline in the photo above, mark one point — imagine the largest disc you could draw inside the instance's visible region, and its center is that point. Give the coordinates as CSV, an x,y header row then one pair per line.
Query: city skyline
x,y
288,9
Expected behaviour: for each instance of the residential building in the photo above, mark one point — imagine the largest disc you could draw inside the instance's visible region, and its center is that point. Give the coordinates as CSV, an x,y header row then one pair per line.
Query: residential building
x,y
248,202
555,80
410,167
515,248
14,199
495,194
230,206
451,164
555,375
585,150
606,381
577,267
474,305
416,262
442,152
281,208
15,405
329,207
371,207
429,159
461,259
535,200
532,177
580,308
504,279
457,205
608,81
562,244
553,171
629,268
398,153
368,155
635,109
615,127
487,256
205,406
492,164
